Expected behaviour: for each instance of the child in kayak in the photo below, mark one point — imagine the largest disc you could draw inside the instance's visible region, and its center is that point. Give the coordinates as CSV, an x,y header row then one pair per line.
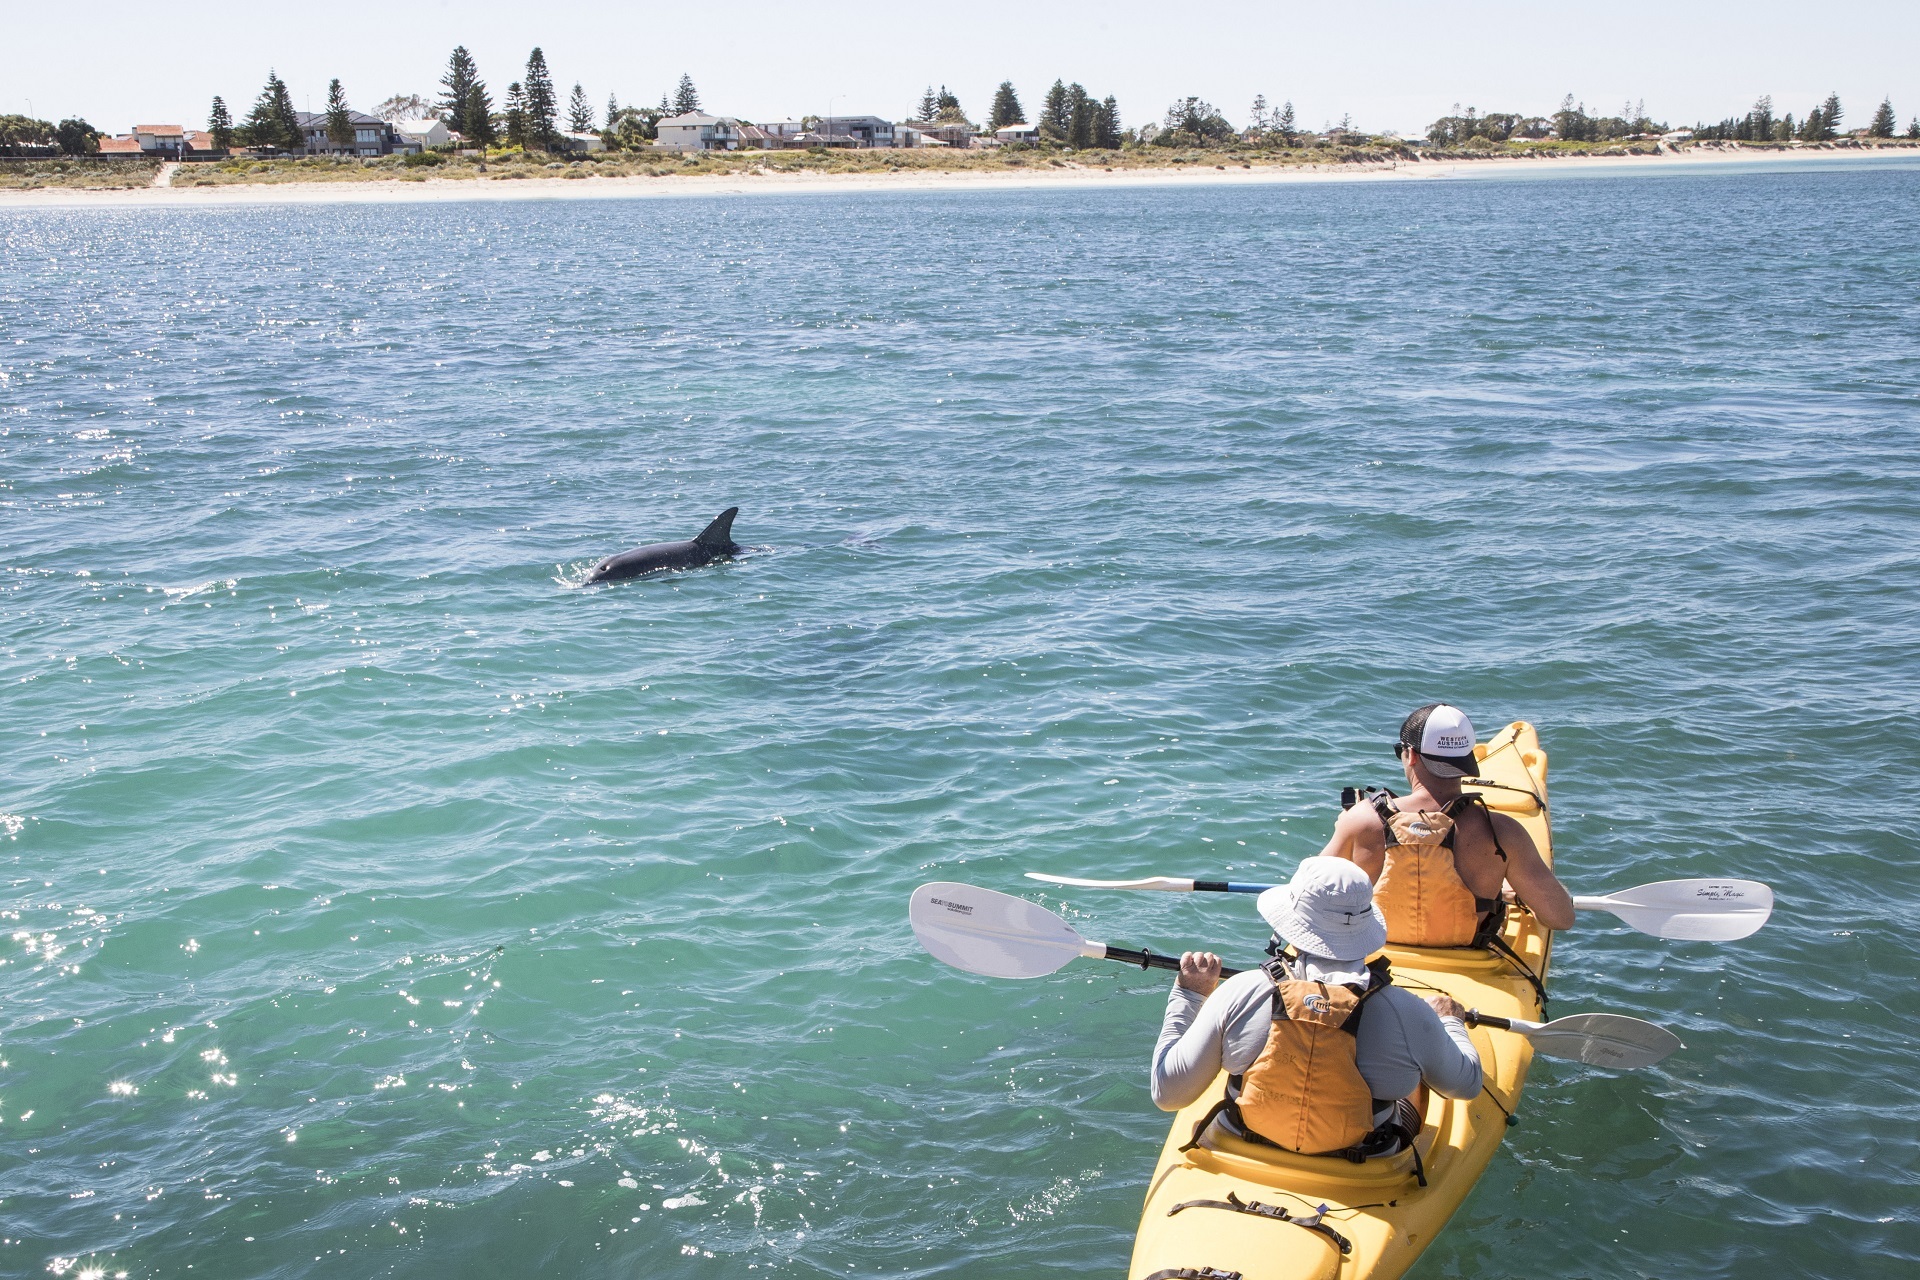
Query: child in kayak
x,y
1438,857
1323,1053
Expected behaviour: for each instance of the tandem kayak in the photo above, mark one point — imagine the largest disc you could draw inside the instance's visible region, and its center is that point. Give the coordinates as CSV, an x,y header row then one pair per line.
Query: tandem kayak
x,y
1233,1210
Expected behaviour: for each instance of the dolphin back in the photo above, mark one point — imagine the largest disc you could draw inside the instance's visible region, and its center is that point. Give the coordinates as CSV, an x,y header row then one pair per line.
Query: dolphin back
x,y
714,543
717,538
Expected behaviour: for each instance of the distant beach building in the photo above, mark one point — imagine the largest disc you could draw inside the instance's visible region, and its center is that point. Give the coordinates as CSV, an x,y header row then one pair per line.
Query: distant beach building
x,y
784,132
754,138
1021,132
1677,135
934,133
696,131
863,131
581,144
421,134
160,139
372,136
124,145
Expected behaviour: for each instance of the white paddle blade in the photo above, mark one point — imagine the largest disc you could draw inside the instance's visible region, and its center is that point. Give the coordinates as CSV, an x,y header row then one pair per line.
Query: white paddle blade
x,y
995,934
1165,884
1602,1040
1690,910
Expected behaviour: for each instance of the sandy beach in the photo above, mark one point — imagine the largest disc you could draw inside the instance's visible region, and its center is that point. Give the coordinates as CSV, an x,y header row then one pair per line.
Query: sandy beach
x,y
437,190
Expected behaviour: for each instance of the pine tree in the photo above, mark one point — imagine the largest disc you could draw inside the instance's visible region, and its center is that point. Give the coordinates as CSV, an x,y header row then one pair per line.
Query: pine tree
x,y
1830,118
1080,109
613,109
478,117
1006,107
286,122
220,124
1053,117
461,76
271,123
1883,121
1106,125
339,122
539,103
579,111
948,107
929,106
516,116
1283,123
1259,113
1811,128
1913,127
686,99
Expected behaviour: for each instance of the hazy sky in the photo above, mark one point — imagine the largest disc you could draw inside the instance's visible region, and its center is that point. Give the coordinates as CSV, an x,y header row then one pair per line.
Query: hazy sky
x,y
1396,64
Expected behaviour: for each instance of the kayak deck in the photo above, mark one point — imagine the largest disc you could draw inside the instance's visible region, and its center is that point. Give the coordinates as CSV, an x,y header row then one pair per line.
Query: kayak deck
x,y
1385,1217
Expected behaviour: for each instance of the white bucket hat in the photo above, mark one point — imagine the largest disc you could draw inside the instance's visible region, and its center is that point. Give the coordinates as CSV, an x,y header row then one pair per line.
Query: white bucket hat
x,y
1327,910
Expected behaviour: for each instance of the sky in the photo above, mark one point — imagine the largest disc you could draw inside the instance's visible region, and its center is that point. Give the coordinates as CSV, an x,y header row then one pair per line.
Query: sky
x,y
1390,65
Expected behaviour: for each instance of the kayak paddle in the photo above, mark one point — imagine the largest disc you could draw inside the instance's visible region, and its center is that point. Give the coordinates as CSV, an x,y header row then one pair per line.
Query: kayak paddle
x,y
1597,1039
1682,910
1002,936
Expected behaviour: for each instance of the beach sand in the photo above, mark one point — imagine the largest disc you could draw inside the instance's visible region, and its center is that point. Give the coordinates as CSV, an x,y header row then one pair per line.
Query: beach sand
x,y
670,186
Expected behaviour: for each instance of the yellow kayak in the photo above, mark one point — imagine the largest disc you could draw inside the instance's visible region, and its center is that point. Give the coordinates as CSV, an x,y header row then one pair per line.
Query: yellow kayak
x,y
1215,1214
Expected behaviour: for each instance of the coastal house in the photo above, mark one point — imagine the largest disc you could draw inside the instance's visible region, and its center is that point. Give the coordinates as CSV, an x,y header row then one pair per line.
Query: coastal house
x,y
784,133
697,131
581,144
1021,132
372,136
421,134
124,145
934,133
166,140
864,131
754,138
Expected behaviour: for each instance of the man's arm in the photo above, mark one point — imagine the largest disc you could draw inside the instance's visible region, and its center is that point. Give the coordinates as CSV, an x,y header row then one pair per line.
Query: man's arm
x,y
1193,1036
1347,829
1532,879
1436,1034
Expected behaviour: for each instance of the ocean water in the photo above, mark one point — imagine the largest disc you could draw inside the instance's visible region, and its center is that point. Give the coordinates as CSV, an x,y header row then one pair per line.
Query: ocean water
x,y
381,902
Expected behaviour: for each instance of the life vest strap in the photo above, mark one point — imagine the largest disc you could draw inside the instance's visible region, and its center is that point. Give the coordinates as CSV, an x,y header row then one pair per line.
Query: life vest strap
x,y
1315,1221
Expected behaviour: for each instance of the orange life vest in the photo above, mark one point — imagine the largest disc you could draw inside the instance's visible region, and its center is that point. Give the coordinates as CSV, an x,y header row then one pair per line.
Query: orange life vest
x,y
1305,1091
1420,891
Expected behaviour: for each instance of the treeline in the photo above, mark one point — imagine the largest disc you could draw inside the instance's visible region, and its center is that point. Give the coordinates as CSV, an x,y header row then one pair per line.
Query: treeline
x,y
1069,116
1571,123
1820,124
528,115
23,135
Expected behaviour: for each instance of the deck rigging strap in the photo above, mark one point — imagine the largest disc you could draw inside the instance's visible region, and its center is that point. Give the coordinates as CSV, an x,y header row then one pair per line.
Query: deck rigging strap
x,y
1194,1273
1314,1221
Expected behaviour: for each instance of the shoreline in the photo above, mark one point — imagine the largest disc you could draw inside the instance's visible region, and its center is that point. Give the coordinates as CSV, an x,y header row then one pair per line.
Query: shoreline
x,y
453,190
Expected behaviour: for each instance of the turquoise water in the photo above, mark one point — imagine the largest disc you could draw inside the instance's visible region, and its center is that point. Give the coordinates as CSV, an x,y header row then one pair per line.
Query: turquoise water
x,y
382,902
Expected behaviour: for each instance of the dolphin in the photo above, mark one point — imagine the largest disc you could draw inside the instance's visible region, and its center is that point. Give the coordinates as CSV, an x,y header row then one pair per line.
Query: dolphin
x,y
714,543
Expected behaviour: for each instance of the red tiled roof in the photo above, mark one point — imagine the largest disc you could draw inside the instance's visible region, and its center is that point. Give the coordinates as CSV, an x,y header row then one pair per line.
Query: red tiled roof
x,y
161,130
120,146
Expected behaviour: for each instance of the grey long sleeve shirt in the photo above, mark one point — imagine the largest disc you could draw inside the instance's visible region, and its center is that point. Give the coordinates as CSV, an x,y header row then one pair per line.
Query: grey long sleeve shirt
x,y
1401,1042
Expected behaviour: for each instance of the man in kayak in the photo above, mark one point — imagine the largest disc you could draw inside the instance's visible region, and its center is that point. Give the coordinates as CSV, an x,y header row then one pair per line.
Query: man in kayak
x,y
1323,1053
1439,858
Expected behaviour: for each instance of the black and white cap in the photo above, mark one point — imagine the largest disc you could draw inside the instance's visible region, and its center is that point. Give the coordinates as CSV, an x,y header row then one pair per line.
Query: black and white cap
x,y
1444,737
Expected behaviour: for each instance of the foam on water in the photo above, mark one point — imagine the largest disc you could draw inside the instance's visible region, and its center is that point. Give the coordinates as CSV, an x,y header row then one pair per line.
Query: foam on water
x,y
377,902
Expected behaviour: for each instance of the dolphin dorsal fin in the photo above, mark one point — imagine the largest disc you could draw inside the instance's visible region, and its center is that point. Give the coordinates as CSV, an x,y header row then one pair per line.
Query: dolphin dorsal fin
x,y
718,536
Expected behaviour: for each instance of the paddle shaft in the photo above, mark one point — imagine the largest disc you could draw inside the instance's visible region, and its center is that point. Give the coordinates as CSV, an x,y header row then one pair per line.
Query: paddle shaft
x,y
1149,959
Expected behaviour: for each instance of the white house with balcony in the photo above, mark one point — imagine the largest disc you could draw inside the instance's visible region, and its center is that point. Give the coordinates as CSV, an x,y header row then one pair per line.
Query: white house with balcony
x,y
1022,132
696,131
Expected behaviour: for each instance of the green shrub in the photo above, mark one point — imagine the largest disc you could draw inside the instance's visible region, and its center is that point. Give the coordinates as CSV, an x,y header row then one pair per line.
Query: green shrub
x,y
424,160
